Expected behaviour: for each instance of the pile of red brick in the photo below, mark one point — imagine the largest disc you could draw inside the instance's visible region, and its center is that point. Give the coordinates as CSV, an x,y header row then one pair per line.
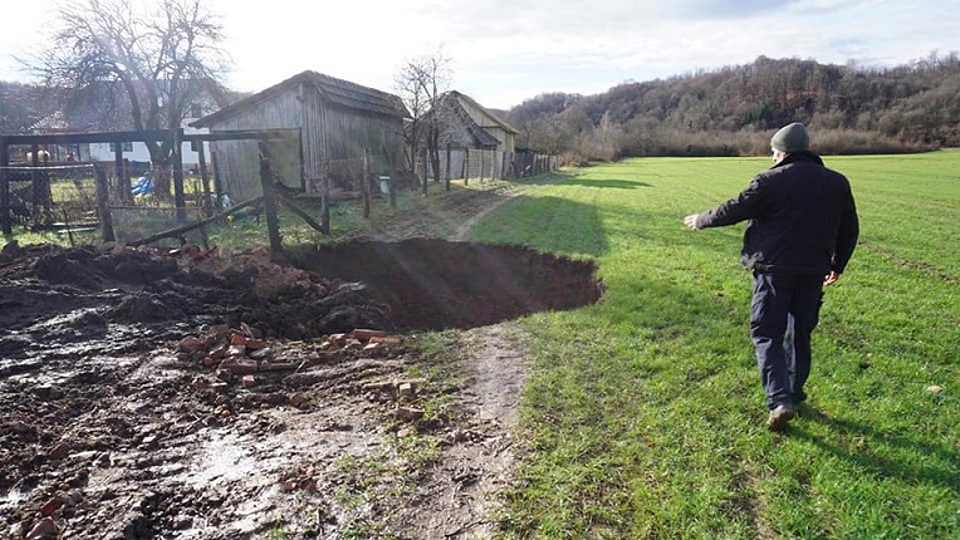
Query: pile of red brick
x,y
241,357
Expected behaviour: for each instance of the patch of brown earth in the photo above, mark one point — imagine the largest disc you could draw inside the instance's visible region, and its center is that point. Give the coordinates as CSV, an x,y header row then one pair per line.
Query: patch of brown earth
x,y
111,425
434,284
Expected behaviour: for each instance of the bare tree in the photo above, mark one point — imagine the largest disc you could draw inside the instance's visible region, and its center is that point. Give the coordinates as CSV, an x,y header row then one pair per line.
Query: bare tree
x,y
148,61
421,84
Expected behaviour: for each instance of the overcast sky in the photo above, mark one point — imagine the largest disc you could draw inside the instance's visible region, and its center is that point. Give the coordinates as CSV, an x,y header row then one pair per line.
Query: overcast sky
x,y
506,51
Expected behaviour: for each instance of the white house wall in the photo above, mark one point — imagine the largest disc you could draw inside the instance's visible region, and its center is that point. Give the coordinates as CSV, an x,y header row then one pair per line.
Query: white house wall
x,y
103,152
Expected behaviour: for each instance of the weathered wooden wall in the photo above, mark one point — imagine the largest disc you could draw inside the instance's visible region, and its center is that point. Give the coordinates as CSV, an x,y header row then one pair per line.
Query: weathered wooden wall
x,y
237,161
506,138
333,139
486,164
351,133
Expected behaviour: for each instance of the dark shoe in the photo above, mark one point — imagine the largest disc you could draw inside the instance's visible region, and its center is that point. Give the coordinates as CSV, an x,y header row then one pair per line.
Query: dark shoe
x,y
779,417
798,398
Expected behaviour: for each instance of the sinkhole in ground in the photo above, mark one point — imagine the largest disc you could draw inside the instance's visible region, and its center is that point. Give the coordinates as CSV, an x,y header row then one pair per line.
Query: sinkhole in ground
x,y
432,284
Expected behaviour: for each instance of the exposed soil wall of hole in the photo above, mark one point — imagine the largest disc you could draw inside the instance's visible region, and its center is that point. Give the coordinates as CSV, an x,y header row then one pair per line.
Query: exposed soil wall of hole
x,y
435,284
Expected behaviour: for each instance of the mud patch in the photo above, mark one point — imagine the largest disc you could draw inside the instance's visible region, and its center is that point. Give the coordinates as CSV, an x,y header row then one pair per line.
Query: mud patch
x,y
432,284
201,394
54,296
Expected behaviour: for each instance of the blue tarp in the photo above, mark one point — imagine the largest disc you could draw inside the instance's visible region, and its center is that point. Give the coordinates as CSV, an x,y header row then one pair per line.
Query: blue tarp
x,y
143,186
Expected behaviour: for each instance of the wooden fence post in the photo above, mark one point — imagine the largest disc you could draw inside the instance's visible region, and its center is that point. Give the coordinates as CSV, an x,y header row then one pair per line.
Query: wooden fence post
x,y
103,204
5,188
124,193
36,184
365,185
217,182
205,180
424,154
466,166
448,168
269,199
483,156
178,196
325,199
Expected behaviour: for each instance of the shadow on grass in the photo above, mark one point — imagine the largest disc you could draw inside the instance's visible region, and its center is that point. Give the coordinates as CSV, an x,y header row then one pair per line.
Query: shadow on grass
x,y
615,184
942,475
574,179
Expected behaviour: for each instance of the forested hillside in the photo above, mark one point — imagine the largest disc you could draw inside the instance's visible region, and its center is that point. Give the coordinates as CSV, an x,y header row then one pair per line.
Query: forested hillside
x,y
731,111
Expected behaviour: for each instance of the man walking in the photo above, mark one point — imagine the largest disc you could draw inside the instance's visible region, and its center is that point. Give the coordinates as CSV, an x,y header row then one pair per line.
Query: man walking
x,y
803,229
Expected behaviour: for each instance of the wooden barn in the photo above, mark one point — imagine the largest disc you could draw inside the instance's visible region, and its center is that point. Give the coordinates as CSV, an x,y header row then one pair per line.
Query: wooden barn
x,y
482,145
475,118
334,123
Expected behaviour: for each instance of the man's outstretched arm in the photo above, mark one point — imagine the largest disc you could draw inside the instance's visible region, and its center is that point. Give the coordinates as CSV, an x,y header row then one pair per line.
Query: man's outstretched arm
x,y
748,204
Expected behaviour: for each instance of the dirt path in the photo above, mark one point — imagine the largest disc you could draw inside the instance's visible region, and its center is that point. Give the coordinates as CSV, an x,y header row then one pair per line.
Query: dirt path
x,y
497,364
444,217
464,488
461,233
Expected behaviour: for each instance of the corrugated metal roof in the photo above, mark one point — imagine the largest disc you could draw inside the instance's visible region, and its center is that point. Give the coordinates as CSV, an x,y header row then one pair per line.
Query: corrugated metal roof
x,y
337,91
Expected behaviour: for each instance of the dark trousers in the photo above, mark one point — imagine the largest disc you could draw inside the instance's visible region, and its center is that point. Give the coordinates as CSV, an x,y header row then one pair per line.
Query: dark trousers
x,y
784,312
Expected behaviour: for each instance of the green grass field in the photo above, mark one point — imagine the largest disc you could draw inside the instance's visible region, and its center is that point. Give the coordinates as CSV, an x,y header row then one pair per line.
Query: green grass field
x,y
644,415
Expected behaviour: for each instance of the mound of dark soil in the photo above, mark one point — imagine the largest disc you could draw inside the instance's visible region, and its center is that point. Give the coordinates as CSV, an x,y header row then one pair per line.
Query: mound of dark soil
x,y
47,286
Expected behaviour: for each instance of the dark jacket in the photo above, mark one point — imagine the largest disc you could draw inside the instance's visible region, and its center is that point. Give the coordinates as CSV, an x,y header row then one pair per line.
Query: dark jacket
x,y
802,218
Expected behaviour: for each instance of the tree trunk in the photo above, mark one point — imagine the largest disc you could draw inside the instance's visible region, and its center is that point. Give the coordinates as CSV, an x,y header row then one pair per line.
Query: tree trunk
x,y
162,180
433,148
435,163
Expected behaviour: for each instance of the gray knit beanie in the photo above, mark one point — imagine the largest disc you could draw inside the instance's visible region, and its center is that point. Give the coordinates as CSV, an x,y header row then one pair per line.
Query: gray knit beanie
x,y
791,138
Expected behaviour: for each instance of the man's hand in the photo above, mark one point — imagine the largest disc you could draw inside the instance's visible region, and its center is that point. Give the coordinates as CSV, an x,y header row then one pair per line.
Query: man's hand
x,y
831,278
691,222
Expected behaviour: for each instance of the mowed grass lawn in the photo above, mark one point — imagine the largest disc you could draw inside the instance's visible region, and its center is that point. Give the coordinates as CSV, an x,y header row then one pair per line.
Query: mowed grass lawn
x,y
643,415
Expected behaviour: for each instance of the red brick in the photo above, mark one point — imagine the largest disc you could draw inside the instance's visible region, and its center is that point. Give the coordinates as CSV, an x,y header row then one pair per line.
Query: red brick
x,y
219,352
409,413
51,506
365,334
239,367
45,528
297,399
387,340
190,344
